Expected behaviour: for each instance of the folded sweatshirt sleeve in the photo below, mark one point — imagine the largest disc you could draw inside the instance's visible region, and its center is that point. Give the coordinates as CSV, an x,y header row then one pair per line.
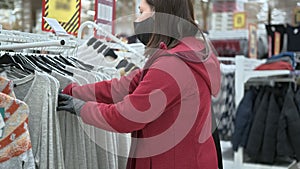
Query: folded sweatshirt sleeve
x,y
111,91
149,100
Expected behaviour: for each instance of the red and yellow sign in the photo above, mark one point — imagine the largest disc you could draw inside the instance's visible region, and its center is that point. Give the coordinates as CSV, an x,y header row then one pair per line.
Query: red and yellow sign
x,y
66,12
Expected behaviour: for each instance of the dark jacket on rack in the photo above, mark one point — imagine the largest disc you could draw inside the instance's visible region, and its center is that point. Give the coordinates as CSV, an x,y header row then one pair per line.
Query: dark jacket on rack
x,y
295,127
243,116
288,135
256,105
256,135
268,151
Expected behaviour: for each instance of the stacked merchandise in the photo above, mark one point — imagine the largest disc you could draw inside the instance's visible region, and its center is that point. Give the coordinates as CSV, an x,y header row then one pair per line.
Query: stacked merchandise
x,y
283,38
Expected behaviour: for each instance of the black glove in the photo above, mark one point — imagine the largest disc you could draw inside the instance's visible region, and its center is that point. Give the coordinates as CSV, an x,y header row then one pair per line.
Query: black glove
x,y
70,104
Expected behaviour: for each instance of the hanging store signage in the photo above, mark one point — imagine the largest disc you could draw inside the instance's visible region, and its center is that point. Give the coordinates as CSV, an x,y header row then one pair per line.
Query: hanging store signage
x,y
239,20
252,40
66,12
105,14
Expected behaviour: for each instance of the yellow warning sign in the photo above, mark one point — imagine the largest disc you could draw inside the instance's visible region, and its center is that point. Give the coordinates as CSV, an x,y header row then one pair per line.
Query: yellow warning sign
x,y
239,20
66,12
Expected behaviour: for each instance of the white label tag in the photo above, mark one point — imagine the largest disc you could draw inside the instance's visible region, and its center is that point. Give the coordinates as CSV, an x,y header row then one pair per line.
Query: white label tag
x,y
2,115
2,123
58,29
1,133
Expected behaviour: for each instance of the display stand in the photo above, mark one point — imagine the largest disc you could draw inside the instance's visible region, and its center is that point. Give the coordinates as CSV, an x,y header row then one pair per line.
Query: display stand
x,y
243,72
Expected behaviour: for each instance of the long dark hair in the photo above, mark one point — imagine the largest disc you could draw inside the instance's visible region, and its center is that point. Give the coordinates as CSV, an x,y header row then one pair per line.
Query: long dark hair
x,y
174,19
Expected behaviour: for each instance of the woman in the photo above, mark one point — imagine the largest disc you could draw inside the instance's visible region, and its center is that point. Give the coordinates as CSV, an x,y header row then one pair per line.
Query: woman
x,y
166,105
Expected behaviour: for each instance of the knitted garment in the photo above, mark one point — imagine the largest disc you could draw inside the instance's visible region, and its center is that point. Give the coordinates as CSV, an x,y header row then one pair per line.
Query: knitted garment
x,y
15,144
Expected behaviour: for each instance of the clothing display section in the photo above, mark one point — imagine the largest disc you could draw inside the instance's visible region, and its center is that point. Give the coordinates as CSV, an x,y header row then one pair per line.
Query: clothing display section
x,y
46,137
266,123
58,139
237,153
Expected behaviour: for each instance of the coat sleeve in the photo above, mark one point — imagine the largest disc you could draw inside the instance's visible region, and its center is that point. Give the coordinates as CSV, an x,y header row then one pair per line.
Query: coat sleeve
x,y
111,91
244,112
150,99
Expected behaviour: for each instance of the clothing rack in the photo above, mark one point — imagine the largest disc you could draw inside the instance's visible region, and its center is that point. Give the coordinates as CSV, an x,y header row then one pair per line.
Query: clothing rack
x,y
18,37
244,72
54,153
33,45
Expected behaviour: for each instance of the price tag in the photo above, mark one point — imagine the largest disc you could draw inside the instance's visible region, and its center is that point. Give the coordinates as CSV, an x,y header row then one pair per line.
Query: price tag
x,y
58,29
105,15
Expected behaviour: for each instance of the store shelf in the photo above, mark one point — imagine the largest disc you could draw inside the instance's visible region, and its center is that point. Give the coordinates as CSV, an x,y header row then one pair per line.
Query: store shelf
x,y
232,34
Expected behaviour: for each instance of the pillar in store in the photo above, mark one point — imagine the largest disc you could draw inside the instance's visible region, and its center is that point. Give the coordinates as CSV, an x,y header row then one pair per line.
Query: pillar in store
x,y
137,3
26,16
205,6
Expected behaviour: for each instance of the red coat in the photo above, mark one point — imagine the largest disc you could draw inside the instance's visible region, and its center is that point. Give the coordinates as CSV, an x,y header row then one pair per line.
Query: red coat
x,y
168,110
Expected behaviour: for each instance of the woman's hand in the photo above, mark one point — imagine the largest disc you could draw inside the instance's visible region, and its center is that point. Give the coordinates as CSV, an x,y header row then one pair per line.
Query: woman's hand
x,y
70,104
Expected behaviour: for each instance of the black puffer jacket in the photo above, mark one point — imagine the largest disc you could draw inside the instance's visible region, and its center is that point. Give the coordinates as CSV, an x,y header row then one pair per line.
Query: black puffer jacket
x,y
289,126
268,150
256,105
243,119
256,135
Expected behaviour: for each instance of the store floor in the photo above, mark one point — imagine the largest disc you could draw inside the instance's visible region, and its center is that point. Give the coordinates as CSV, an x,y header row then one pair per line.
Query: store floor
x,y
228,160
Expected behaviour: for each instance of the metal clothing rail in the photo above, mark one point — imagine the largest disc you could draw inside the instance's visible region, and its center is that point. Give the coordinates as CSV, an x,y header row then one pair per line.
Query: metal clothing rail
x,y
109,35
33,45
17,36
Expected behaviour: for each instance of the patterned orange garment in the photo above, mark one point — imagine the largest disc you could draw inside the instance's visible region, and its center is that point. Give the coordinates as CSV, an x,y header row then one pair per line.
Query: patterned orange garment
x,y
15,139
